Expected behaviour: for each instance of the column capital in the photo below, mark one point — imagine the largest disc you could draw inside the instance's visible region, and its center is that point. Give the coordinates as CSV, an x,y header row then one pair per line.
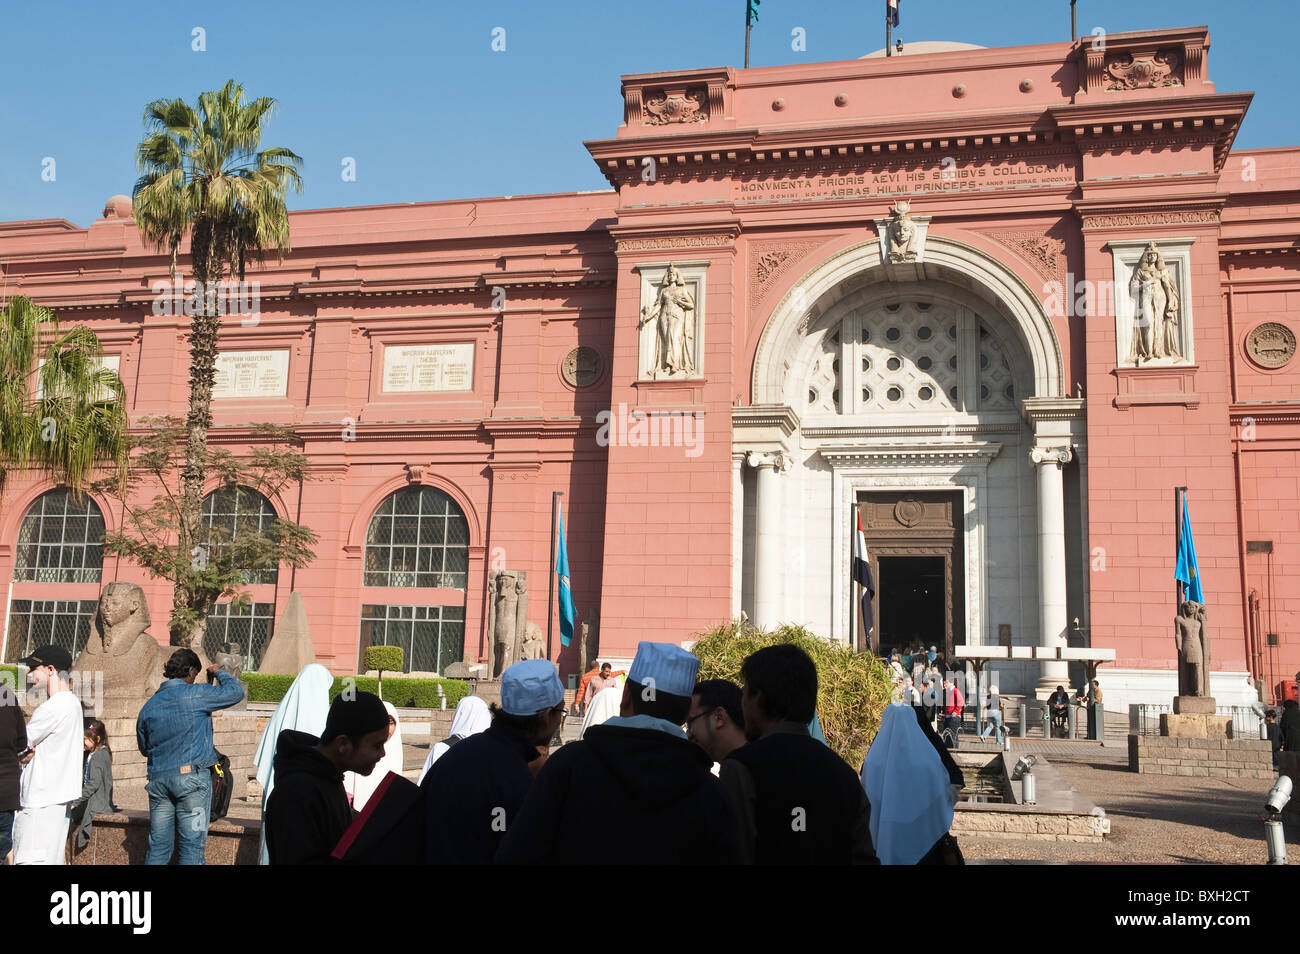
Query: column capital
x,y
1051,455
779,461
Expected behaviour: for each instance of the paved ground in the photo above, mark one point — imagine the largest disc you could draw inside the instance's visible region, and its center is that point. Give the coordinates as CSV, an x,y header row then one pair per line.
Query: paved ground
x,y
1156,819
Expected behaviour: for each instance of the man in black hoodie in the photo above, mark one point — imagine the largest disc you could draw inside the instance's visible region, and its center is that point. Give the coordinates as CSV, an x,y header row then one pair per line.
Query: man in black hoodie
x,y
636,779
308,811
798,803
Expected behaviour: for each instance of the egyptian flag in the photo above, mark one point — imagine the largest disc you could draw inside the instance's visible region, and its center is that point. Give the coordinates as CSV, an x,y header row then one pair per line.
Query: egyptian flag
x,y
862,575
891,12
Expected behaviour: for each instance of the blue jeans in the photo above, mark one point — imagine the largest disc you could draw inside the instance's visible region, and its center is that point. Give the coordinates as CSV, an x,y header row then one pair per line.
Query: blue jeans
x,y
995,723
178,812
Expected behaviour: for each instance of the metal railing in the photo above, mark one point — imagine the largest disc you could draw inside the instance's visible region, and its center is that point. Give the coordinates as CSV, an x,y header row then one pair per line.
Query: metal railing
x,y
1144,719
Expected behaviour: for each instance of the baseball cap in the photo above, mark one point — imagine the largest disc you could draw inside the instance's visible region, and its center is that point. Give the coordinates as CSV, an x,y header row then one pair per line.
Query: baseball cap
x,y
55,656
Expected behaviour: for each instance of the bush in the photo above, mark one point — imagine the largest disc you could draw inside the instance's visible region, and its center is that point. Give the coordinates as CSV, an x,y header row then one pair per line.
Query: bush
x,y
384,658
852,688
401,692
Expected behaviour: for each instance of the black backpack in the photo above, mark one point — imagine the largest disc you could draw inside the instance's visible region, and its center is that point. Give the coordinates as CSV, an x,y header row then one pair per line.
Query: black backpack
x,y
222,784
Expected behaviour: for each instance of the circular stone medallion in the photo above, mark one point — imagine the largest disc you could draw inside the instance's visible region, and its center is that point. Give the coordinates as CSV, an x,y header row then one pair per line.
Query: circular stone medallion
x,y
909,511
1270,345
581,367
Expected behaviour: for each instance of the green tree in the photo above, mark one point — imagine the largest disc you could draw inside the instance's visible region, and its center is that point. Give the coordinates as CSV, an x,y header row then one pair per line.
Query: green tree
x,y
214,562
852,688
61,411
203,174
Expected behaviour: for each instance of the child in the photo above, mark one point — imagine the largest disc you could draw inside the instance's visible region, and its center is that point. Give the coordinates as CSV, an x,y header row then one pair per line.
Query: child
x,y
97,782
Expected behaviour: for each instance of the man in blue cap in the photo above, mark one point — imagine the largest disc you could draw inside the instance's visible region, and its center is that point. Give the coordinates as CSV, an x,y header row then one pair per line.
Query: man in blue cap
x,y
636,778
473,793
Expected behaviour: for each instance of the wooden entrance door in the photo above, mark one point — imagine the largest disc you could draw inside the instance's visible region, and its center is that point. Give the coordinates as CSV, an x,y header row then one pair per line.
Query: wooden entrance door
x,y
915,540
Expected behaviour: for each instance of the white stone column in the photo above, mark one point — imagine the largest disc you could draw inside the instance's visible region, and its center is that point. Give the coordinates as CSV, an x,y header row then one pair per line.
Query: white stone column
x,y
1050,461
768,545
737,531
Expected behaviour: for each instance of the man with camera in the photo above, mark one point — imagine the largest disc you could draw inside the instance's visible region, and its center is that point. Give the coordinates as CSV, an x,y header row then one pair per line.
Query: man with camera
x,y
174,732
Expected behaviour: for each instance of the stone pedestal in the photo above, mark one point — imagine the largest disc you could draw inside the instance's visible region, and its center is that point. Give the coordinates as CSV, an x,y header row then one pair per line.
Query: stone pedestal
x,y
1193,725
1194,705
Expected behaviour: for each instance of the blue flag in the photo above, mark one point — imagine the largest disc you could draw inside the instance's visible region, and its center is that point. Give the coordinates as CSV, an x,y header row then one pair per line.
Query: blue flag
x,y
1185,569
567,613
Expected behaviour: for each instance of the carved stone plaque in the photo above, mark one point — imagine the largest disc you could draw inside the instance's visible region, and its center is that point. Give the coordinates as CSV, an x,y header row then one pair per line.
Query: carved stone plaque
x,y
1270,345
440,367
251,374
582,367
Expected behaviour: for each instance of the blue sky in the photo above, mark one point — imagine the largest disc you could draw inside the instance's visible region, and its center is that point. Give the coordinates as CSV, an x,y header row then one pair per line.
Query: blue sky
x,y
414,92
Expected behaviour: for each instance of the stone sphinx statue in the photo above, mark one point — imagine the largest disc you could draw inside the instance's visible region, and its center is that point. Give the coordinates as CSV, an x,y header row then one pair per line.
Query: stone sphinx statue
x,y
1193,650
121,648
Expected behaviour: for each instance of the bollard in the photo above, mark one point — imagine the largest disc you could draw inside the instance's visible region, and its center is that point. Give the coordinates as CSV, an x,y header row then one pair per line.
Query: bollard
x,y
1276,840
1047,722
1072,721
1024,721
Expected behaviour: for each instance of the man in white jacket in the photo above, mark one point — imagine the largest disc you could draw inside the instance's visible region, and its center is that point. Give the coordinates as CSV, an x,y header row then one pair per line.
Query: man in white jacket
x,y
51,778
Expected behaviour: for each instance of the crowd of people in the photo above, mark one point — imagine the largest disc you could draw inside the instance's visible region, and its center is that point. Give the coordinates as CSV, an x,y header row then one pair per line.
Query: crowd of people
x,y
684,771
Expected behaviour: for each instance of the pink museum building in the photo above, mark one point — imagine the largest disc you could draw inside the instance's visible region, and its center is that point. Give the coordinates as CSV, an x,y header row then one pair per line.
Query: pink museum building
x,y
997,302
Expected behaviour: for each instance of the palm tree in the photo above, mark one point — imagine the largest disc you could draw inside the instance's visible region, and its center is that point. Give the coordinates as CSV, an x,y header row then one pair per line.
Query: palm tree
x,y
75,421
202,173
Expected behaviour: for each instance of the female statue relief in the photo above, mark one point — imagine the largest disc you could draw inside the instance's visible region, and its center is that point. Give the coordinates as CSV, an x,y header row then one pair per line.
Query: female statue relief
x,y
674,327
1155,309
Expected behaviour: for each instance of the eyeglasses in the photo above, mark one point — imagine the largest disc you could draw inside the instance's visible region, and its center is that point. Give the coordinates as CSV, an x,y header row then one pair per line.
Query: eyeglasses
x,y
701,714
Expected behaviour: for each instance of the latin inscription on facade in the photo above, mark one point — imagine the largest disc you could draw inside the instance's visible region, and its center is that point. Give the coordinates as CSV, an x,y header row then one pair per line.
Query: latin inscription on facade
x,y
251,374
440,367
943,176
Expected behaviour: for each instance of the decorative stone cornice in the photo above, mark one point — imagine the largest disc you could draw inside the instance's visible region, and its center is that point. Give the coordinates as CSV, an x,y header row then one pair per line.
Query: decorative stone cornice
x,y
766,415
910,455
1036,410
1112,220
702,240
932,431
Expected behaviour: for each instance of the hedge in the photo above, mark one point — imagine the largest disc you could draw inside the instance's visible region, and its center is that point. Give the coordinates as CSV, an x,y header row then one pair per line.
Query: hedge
x,y
12,677
404,693
852,688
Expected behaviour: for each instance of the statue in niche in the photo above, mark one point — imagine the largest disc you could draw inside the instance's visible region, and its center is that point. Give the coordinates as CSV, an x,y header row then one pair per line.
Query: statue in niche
x,y
1155,309
904,236
673,313
1193,650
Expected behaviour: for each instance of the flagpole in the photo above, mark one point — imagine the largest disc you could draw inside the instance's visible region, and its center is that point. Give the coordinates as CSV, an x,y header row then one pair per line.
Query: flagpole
x,y
550,576
747,28
1178,545
889,32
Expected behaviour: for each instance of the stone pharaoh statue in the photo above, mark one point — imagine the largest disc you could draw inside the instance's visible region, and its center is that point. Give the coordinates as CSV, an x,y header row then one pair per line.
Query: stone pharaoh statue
x,y
1155,309
673,315
1193,650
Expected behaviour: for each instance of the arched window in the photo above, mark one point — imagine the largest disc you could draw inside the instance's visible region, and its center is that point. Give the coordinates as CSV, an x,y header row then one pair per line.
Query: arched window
x,y
418,538
231,510
247,628
61,540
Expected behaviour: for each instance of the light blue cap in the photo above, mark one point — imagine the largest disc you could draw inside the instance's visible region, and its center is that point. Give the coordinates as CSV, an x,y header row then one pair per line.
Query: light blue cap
x,y
530,686
667,667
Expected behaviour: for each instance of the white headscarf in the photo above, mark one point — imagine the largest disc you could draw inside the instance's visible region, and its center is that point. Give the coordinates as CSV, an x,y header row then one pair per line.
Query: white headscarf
x,y
471,718
361,787
304,708
604,705
907,785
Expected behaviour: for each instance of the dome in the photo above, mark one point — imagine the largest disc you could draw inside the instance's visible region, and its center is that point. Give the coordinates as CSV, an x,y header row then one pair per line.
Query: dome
x,y
118,207
926,46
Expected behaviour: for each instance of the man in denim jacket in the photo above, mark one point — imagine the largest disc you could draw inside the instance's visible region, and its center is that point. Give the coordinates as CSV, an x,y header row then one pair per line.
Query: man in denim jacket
x,y
174,732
